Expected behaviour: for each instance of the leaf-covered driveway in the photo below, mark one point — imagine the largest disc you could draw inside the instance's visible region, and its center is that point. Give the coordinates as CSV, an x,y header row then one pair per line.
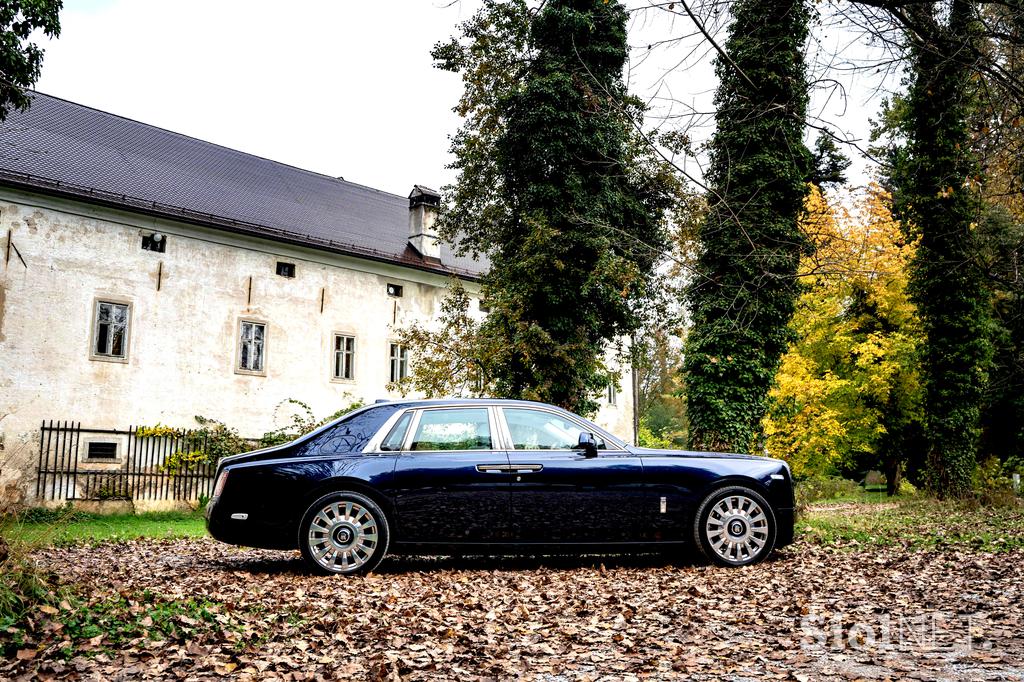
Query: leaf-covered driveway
x,y
810,613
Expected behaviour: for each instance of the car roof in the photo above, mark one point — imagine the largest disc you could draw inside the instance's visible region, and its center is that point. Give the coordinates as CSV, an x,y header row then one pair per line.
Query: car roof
x,y
465,401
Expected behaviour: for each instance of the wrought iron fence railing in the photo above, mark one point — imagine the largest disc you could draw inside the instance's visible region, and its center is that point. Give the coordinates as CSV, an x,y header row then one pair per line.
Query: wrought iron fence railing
x,y
78,463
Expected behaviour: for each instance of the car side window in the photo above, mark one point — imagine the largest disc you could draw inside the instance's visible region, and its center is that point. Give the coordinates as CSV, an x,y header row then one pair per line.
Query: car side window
x,y
395,439
459,429
540,430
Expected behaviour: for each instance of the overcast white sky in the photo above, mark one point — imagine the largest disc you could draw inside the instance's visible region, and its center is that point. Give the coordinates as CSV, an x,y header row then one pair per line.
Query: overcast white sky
x,y
339,87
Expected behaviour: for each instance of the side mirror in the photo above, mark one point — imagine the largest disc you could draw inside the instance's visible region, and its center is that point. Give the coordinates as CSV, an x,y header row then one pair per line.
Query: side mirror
x,y
588,444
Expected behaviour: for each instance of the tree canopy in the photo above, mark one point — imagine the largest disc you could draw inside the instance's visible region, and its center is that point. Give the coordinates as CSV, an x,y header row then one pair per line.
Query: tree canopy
x,y
557,189
21,60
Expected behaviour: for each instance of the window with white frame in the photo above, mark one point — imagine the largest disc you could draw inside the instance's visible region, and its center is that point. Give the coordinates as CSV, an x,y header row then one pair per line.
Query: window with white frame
x,y
613,394
399,362
110,330
252,346
344,356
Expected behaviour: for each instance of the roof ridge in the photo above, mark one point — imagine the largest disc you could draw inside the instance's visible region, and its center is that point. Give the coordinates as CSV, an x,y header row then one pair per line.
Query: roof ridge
x,y
221,146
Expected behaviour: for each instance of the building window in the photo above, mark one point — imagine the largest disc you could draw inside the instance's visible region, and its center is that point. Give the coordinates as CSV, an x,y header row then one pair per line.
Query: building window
x,y
110,330
252,346
399,362
394,290
285,269
613,394
344,356
154,242
484,308
101,451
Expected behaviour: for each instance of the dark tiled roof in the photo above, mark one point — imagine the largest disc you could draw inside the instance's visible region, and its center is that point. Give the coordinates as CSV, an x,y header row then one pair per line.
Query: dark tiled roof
x,y
66,148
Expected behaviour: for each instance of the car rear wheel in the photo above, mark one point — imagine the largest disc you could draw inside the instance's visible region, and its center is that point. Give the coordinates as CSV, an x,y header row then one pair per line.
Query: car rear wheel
x,y
735,526
343,533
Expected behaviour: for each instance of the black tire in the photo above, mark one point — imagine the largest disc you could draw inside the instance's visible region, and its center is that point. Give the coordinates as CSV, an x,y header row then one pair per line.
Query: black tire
x,y
744,536
344,533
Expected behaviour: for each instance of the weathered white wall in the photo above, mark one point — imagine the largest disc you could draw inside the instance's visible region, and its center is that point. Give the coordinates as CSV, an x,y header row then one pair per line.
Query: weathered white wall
x,y
183,338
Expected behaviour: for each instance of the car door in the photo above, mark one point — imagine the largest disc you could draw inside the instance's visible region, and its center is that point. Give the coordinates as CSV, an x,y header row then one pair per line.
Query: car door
x,y
559,494
450,483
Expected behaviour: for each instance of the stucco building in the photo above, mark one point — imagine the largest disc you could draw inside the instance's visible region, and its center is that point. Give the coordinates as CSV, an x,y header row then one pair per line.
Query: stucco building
x,y
147,277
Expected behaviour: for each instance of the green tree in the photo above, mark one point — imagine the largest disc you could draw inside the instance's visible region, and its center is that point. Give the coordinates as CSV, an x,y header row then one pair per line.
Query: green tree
x,y
744,281
829,164
993,113
21,60
1002,253
557,189
941,204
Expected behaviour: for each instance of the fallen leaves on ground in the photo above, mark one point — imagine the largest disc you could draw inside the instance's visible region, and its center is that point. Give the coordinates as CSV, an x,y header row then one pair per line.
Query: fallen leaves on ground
x,y
809,613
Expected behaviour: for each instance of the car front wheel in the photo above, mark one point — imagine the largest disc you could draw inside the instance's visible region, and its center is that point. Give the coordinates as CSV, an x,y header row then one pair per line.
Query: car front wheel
x,y
735,526
343,533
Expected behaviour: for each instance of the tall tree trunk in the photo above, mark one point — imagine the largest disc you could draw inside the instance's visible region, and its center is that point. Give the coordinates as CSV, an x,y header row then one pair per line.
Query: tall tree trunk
x,y
950,291
744,289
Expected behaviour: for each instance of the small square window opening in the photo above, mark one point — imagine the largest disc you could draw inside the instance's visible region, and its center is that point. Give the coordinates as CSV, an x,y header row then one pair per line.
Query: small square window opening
x,y
395,290
285,269
99,450
154,242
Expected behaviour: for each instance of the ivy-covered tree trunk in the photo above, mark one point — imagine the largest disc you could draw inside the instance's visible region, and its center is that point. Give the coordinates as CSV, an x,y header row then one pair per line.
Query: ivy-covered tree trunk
x,y
744,288
570,209
943,205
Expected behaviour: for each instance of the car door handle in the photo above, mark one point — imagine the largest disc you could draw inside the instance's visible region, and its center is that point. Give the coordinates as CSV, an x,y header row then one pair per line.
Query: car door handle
x,y
508,468
493,468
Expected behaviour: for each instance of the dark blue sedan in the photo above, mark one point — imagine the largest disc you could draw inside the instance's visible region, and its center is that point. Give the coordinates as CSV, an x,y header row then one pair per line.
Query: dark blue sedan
x,y
492,477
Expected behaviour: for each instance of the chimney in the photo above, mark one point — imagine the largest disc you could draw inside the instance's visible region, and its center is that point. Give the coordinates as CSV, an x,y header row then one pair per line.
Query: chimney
x,y
423,206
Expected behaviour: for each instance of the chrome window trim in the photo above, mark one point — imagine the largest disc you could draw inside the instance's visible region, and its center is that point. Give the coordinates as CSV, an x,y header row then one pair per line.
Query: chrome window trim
x,y
373,447
502,432
501,437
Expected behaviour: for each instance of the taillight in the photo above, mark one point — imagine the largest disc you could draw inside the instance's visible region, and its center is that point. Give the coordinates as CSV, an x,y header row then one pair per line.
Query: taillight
x,y
221,481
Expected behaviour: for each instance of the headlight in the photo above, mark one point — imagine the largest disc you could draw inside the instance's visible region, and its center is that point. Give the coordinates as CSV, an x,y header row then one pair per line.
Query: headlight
x,y
221,482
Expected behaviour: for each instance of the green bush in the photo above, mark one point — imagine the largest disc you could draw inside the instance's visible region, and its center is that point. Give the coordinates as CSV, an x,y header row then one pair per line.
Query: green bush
x,y
993,482
819,488
63,514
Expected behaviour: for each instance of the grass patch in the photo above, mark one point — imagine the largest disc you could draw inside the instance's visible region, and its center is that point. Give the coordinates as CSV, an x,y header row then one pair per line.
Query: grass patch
x,y
89,625
914,523
115,622
36,529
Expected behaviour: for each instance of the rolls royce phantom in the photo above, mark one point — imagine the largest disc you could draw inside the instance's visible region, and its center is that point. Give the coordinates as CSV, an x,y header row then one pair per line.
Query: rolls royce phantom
x,y
492,477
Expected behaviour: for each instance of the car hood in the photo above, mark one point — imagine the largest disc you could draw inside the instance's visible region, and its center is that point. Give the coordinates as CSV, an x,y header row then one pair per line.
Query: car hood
x,y
651,452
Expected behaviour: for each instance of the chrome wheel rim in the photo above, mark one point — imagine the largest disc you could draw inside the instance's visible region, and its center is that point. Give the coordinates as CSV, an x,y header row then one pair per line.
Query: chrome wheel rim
x,y
343,536
737,528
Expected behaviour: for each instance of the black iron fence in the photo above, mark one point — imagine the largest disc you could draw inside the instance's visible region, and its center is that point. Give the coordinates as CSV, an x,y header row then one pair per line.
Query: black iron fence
x,y
77,463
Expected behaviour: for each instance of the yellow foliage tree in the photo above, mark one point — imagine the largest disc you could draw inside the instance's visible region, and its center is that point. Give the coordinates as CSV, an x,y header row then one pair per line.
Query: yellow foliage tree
x,y
847,394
